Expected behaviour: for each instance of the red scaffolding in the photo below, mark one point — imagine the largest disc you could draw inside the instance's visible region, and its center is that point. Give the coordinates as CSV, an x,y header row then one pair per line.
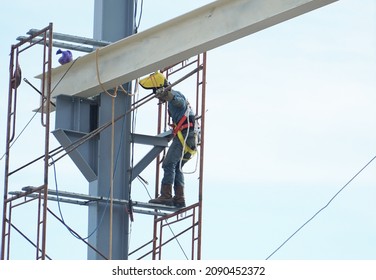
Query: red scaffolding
x,y
189,218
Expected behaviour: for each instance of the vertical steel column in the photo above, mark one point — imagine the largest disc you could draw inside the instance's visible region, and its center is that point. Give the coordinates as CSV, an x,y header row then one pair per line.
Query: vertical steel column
x,y
113,20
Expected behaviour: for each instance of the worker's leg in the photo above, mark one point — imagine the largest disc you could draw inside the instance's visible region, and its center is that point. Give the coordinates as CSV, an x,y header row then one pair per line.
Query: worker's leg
x,y
169,166
179,198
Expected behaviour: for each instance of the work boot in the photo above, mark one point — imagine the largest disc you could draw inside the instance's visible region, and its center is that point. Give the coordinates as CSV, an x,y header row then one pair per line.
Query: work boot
x,y
165,197
178,199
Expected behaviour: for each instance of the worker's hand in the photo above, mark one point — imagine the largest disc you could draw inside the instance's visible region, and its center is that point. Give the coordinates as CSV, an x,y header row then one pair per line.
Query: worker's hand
x,y
163,95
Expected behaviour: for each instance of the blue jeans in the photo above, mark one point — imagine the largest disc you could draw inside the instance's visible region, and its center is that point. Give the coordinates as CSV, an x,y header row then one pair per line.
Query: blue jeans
x,y
171,164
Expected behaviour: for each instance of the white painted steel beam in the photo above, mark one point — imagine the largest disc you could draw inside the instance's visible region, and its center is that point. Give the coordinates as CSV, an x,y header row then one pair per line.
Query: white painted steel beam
x,y
171,42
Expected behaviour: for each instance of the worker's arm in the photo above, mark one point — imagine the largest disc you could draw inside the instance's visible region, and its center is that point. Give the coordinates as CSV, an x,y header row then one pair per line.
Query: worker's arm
x,y
178,100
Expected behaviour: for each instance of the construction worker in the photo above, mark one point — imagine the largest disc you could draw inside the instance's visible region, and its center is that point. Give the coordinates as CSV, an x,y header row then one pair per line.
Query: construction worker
x,y
183,145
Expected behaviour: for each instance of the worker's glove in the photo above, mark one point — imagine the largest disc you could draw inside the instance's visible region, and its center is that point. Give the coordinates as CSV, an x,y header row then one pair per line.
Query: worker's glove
x,y
163,95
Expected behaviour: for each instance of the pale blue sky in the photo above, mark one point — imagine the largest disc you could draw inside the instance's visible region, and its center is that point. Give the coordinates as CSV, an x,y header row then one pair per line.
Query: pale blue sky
x,y
291,119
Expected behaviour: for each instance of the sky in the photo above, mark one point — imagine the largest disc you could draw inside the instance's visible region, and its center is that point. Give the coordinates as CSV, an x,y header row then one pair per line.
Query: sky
x,y
290,120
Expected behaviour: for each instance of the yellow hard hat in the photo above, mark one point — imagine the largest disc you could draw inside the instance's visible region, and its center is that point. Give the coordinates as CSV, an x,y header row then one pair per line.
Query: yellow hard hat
x,y
155,80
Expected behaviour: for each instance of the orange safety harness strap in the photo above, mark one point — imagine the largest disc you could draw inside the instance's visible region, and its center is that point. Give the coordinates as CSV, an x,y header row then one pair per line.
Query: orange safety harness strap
x,y
181,125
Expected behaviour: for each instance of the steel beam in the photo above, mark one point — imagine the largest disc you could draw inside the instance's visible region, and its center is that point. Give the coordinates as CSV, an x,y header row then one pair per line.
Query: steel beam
x,y
200,30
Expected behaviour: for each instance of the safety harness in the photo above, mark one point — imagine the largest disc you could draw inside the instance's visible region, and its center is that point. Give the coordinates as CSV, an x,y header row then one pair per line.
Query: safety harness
x,y
184,123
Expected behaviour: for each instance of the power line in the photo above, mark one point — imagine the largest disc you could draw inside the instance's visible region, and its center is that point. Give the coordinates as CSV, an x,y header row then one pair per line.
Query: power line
x,y
143,182
318,212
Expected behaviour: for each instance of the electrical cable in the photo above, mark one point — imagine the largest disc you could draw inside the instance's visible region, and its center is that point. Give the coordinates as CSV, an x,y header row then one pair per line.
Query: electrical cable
x,y
329,202
140,16
62,216
133,129
112,175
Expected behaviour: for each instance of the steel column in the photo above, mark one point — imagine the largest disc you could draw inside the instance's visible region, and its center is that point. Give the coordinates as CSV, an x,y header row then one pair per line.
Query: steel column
x,y
113,20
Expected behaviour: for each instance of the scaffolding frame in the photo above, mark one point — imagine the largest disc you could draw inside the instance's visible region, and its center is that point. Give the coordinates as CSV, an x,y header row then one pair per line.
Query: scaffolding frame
x,y
10,202
163,215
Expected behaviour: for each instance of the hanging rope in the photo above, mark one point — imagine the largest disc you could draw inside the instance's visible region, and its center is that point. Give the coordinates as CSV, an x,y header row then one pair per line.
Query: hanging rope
x,y
112,174
113,96
185,146
99,78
